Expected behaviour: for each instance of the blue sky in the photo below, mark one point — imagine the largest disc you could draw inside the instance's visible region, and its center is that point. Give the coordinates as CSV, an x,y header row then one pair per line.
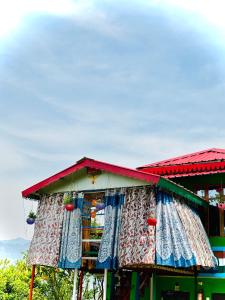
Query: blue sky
x,y
129,83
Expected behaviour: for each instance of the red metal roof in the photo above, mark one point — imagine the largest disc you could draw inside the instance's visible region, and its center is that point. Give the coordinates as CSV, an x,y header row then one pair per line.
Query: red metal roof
x,y
207,161
212,154
98,165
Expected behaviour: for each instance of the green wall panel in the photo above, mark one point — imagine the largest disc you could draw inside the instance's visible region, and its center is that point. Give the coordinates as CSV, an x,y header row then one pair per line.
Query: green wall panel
x,y
187,284
217,241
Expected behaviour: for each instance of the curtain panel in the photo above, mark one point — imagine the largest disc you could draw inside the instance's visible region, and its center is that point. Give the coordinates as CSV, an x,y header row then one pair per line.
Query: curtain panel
x,y
181,240
71,240
45,244
137,238
172,245
108,251
196,235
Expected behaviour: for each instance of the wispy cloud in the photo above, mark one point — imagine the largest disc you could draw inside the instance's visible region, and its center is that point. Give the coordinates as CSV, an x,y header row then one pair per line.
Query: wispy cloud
x,y
126,83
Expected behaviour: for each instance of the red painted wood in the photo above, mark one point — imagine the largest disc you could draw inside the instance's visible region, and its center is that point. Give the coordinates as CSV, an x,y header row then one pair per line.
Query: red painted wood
x,y
91,163
212,154
32,282
219,254
81,285
189,169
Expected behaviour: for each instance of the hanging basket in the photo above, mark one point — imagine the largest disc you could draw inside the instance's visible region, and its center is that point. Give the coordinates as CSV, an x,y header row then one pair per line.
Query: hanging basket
x,y
30,221
31,218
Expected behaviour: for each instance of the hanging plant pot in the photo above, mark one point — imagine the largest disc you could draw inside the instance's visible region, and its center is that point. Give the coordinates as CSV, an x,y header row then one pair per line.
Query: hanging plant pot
x,y
30,221
221,205
31,218
151,221
69,206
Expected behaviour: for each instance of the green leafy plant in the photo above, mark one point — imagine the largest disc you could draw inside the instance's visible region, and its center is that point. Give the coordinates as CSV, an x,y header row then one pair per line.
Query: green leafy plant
x,y
32,215
67,199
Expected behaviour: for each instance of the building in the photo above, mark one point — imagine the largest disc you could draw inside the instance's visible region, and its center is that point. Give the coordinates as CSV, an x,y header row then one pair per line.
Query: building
x,y
204,173
129,248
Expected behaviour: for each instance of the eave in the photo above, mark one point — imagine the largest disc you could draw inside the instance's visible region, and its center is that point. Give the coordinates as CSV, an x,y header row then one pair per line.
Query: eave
x,y
94,164
186,169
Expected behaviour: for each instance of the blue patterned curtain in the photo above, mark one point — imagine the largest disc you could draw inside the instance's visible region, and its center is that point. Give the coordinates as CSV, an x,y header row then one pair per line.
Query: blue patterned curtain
x,y
172,246
71,241
108,251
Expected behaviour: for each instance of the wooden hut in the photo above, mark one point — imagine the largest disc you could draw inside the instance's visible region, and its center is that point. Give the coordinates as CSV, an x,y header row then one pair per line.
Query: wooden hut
x,y
141,230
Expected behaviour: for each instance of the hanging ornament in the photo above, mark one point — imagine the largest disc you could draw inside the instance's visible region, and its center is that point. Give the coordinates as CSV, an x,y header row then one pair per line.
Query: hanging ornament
x,y
100,206
31,218
68,201
93,214
94,202
69,206
151,221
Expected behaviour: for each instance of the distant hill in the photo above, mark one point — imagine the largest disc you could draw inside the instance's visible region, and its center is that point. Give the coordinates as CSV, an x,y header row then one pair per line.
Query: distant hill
x,y
13,249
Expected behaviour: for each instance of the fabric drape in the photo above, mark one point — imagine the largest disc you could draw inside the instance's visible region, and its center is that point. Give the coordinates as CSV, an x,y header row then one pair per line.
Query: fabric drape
x,y
196,235
45,244
181,240
172,245
137,239
108,251
71,240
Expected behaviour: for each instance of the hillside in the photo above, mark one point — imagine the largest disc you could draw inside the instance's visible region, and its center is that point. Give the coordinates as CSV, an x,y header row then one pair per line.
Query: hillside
x,y
13,249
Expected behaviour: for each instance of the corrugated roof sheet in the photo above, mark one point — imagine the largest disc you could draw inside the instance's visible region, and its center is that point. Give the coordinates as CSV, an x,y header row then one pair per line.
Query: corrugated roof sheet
x,y
210,155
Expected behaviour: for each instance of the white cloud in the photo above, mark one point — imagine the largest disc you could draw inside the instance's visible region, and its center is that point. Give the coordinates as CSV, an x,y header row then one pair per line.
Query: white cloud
x,y
85,12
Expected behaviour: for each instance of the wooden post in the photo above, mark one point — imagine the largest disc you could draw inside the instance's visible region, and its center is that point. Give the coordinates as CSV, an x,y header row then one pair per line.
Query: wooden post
x,y
221,214
81,285
32,282
74,296
105,285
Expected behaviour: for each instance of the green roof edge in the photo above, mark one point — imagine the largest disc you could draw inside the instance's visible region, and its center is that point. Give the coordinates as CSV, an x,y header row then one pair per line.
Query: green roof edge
x,y
181,191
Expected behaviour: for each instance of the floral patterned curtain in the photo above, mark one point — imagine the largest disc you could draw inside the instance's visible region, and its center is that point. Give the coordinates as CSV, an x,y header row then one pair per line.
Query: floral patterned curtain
x,y
172,245
71,241
108,251
137,239
45,244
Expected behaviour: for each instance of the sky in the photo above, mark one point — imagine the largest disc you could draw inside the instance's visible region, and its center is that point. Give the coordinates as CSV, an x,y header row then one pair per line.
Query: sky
x,y
127,82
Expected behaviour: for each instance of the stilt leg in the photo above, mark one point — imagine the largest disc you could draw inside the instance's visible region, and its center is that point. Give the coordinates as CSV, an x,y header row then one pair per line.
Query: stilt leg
x,y
32,282
81,285
74,296
105,285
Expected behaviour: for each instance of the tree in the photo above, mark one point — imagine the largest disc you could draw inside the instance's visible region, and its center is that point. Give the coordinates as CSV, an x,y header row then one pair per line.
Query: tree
x,y
50,283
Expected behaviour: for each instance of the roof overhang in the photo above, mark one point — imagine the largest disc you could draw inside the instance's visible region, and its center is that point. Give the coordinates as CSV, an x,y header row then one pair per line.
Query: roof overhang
x,y
92,164
181,170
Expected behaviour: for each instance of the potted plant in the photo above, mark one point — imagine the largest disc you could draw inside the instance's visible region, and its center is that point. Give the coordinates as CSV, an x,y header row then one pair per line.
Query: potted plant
x,y
68,202
31,218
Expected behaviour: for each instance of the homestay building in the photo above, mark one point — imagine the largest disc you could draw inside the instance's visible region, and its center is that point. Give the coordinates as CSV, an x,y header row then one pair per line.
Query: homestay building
x,y
141,229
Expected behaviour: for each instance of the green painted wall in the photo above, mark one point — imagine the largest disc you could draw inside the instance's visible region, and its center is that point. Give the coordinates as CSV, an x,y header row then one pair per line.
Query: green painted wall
x,y
81,181
167,283
217,241
187,284
201,181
